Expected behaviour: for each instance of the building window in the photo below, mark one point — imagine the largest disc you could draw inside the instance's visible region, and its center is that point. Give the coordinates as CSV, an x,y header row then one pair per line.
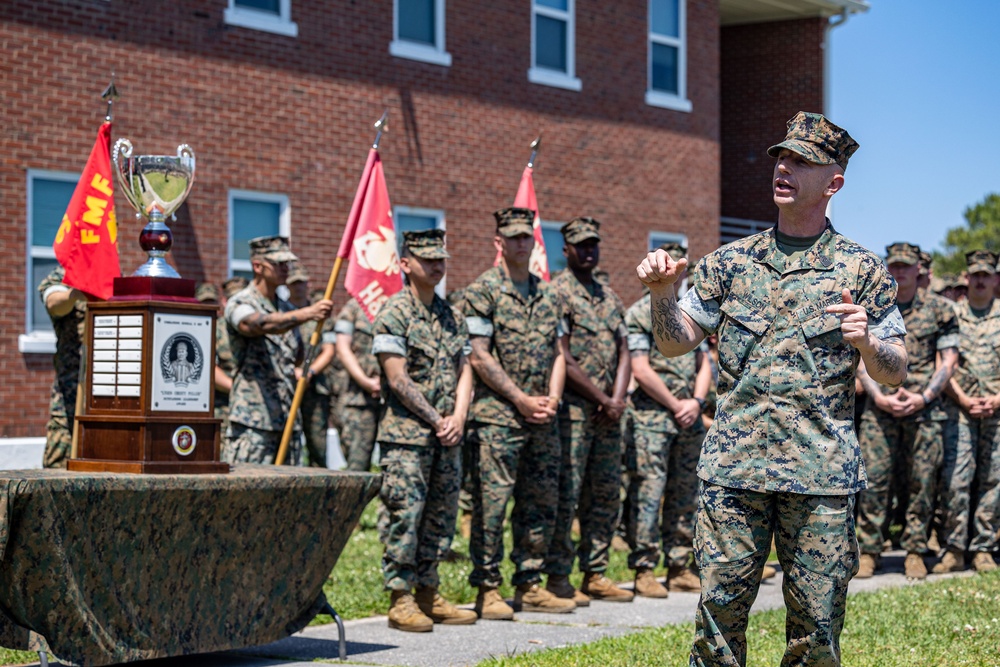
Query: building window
x,y
409,219
553,44
253,214
667,78
49,193
266,15
418,31
554,243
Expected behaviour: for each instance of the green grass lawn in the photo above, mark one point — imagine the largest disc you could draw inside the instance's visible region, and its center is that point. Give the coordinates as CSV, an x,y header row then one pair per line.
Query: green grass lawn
x,y
944,623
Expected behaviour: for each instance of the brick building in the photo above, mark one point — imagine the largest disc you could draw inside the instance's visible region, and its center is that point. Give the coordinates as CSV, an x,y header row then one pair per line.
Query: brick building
x,y
655,115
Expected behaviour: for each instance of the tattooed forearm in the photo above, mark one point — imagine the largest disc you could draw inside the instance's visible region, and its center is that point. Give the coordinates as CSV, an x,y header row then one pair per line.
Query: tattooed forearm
x,y
489,371
888,363
949,359
259,324
409,395
668,320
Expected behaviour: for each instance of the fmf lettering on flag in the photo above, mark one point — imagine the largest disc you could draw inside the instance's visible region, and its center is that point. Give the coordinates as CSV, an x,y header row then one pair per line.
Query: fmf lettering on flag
x,y
86,243
369,242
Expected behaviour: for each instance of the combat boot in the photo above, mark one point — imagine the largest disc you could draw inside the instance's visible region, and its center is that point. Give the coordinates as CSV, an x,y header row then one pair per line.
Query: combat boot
x,y
768,572
647,586
405,615
952,561
914,566
866,566
983,562
532,597
618,543
683,579
561,587
599,587
491,606
440,610
465,525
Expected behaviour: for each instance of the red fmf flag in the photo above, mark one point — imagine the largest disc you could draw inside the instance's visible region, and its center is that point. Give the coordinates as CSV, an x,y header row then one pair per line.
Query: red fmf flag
x,y
369,242
525,198
86,244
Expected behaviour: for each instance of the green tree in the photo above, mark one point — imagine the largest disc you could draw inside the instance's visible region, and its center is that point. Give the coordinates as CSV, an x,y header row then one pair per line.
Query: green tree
x,y
982,231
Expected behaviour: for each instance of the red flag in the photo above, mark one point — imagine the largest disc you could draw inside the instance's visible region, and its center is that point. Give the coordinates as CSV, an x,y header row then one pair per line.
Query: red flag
x,y
86,244
370,242
525,198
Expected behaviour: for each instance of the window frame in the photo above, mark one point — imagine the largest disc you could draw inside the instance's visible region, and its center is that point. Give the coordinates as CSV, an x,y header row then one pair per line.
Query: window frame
x,y
435,55
284,223
554,226
37,341
659,98
544,75
254,19
440,222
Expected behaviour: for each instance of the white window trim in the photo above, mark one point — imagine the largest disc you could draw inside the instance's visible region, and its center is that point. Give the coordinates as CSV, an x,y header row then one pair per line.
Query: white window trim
x,y
550,77
245,17
284,223
440,222
37,342
658,98
435,55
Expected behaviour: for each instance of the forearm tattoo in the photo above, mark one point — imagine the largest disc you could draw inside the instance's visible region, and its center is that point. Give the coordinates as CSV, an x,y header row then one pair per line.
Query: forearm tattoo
x,y
490,372
668,321
409,395
943,373
259,324
889,362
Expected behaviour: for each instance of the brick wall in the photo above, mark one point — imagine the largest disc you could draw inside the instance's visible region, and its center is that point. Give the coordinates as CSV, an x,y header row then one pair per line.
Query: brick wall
x,y
769,71
293,115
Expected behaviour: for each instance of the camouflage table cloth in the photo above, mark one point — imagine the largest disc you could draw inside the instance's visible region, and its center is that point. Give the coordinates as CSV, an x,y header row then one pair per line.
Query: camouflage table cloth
x,y
98,568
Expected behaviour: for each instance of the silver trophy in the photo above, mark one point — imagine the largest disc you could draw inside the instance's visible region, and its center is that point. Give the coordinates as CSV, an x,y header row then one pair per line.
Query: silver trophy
x,y
156,186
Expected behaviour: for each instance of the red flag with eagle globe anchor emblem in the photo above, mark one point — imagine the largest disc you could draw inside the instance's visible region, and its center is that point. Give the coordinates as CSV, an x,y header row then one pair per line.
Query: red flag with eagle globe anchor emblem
x,y
86,244
370,242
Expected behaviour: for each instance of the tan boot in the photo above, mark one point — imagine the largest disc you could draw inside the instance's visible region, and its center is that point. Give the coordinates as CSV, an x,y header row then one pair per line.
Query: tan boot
x,y
647,586
618,543
465,525
532,597
405,615
491,606
683,579
561,587
440,610
914,567
866,567
952,561
768,572
983,562
599,587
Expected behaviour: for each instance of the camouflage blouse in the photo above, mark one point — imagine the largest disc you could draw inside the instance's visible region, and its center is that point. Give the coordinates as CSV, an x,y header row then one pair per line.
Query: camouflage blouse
x,y
785,419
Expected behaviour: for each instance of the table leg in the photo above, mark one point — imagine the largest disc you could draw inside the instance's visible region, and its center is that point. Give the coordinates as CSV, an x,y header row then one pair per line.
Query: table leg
x,y
340,630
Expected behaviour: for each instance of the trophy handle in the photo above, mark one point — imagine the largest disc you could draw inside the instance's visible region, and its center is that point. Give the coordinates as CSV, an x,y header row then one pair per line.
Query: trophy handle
x,y
186,153
121,154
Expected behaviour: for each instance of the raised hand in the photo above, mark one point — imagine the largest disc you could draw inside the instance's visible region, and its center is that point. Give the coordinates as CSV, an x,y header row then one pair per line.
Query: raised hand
x,y
660,269
853,321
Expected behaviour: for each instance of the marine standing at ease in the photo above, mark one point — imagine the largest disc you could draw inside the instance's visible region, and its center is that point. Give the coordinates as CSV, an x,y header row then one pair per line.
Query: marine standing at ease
x,y
795,308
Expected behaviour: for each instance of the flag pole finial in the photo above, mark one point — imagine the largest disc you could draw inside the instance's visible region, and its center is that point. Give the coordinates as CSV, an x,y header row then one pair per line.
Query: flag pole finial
x,y
109,95
535,146
381,125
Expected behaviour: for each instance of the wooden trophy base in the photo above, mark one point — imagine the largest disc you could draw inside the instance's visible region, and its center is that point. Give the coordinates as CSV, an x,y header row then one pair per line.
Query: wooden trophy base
x,y
150,382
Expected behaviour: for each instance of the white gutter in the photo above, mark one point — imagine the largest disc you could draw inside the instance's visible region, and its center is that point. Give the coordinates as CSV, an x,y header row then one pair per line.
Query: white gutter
x,y
847,7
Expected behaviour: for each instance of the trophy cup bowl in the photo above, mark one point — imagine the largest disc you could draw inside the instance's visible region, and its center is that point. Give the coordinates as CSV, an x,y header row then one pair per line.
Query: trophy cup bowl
x,y
155,186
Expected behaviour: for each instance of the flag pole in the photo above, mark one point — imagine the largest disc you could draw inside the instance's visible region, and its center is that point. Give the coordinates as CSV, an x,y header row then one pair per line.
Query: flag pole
x,y
109,95
535,146
313,347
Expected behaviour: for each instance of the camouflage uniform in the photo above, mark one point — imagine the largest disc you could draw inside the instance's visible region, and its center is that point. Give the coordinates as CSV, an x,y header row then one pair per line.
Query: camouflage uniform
x,y
976,461
420,476
358,411
910,446
781,457
513,458
264,385
223,360
69,330
315,407
658,451
590,475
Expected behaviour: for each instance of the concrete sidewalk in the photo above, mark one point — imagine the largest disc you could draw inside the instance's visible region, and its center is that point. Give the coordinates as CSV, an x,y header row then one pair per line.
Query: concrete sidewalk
x,y
371,642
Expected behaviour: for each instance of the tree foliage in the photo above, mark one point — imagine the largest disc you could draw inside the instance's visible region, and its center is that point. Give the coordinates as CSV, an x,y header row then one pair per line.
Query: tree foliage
x,y
982,231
